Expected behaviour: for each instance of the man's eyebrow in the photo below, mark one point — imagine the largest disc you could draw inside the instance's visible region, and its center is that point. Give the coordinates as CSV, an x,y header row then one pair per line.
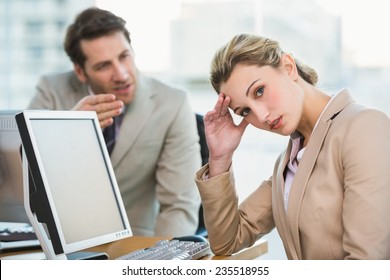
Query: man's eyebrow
x,y
100,64
247,91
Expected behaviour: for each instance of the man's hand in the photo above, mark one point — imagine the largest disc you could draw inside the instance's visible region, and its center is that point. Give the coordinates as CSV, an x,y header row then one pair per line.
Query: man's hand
x,y
105,105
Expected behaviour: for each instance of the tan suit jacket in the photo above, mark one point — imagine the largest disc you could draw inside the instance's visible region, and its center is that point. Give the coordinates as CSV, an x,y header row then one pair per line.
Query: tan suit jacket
x,y
339,203
155,157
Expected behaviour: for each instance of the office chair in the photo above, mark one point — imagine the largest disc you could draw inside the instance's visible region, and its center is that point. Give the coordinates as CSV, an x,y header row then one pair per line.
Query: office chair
x,y
204,151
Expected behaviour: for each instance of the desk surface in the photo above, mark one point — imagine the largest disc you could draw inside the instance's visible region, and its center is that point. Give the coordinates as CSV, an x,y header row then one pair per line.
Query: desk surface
x,y
124,246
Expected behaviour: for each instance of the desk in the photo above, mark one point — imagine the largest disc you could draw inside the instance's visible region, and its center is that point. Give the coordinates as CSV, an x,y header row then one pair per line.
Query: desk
x,y
124,246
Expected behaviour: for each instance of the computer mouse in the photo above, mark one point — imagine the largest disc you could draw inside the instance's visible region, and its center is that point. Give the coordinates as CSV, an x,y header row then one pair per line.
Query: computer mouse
x,y
193,238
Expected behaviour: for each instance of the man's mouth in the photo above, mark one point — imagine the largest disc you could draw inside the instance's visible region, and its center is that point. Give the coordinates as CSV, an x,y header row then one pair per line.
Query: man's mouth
x,y
122,89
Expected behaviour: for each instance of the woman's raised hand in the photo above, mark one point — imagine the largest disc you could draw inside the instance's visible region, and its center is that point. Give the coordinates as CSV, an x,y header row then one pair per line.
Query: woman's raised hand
x,y
223,135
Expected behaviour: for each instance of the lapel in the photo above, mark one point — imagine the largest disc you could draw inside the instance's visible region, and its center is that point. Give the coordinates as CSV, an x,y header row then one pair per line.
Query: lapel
x,y
278,202
305,169
300,180
136,116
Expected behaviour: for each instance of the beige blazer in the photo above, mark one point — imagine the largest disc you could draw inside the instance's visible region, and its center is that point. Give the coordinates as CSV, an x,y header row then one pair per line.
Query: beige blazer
x,y
339,203
155,157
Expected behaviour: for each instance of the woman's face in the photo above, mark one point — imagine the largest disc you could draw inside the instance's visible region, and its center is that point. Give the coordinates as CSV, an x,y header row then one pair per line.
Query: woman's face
x,y
268,98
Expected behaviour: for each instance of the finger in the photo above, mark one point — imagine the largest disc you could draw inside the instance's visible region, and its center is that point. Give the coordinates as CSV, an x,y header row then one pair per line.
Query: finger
x,y
89,102
108,101
209,116
115,105
225,106
102,98
108,114
218,105
106,122
106,118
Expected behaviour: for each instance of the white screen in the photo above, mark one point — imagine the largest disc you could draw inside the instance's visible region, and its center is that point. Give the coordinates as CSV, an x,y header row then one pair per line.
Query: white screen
x,y
78,178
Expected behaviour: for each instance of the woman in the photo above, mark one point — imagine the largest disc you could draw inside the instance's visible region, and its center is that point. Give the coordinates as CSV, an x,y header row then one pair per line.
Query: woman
x,y
329,195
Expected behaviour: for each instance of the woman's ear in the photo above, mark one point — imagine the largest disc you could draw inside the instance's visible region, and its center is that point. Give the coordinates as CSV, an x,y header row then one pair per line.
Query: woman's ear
x,y
79,71
288,63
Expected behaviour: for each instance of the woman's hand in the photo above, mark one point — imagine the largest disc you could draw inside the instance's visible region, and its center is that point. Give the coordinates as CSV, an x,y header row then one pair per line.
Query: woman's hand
x,y
105,105
223,136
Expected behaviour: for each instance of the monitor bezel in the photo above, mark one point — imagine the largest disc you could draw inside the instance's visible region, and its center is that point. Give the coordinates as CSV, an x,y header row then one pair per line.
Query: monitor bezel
x,y
39,203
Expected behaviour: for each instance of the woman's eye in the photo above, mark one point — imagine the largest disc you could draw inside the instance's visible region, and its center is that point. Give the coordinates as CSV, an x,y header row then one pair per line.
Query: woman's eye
x,y
259,92
245,112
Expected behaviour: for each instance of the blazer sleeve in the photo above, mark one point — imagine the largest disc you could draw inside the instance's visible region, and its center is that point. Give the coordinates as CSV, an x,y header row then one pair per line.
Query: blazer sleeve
x,y
44,97
231,227
58,92
366,206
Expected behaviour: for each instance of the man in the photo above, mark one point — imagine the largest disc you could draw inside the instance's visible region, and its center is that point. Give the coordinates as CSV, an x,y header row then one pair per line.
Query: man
x,y
156,152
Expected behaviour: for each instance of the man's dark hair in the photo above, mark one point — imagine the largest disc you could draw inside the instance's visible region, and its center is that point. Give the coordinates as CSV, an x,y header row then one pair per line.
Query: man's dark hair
x,y
90,24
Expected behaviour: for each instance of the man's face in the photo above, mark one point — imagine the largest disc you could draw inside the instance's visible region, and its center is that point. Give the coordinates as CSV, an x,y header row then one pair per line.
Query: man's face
x,y
109,66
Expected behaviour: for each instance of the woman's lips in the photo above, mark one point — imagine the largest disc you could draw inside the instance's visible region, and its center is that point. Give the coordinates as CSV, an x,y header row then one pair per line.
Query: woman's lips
x,y
276,123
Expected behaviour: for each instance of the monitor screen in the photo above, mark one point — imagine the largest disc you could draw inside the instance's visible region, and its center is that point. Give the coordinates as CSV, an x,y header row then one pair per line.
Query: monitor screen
x,y
11,178
72,187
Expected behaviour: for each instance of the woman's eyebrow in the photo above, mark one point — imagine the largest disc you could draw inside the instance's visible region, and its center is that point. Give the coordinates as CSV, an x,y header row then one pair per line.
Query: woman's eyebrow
x,y
247,91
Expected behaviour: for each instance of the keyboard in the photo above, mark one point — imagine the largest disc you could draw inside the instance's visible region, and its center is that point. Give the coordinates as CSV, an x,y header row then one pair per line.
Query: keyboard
x,y
16,232
171,250
17,236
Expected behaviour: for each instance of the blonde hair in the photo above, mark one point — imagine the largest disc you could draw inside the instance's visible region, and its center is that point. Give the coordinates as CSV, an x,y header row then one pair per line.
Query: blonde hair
x,y
251,50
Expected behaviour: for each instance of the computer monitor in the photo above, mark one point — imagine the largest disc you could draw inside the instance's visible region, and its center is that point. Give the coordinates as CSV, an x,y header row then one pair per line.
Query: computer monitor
x,y
11,178
72,197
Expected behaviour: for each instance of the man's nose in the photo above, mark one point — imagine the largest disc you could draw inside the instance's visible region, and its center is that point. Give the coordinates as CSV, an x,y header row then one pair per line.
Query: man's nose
x,y
120,73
